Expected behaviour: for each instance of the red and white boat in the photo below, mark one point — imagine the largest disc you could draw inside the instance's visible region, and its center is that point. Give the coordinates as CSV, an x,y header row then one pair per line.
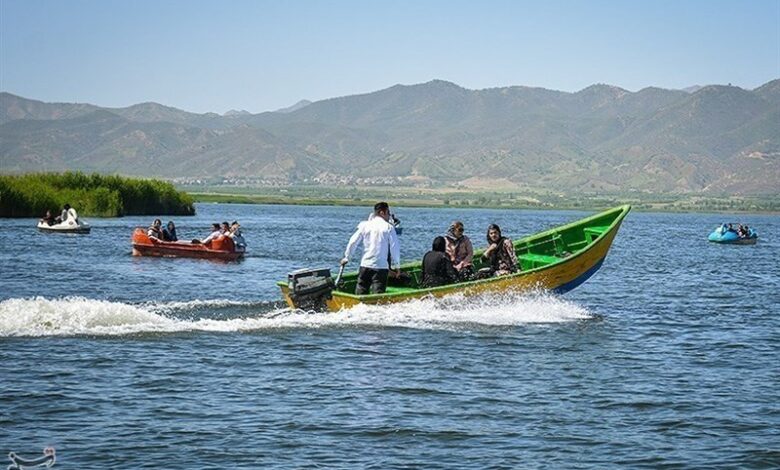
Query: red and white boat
x,y
221,248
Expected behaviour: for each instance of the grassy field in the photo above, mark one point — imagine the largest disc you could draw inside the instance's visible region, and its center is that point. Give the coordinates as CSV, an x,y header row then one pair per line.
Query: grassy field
x,y
414,197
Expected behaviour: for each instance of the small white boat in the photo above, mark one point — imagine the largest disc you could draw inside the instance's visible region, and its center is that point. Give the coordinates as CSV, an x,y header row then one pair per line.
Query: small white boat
x,y
68,226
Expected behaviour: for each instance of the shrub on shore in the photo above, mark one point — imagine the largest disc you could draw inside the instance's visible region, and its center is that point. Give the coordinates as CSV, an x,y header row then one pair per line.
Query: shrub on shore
x,y
31,195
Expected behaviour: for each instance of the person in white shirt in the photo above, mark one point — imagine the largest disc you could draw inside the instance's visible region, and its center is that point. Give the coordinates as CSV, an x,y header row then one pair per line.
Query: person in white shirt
x,y
215,232
379,240
64,215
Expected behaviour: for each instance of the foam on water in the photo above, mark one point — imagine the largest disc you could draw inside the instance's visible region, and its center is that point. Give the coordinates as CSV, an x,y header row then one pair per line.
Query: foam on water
x,y
81,316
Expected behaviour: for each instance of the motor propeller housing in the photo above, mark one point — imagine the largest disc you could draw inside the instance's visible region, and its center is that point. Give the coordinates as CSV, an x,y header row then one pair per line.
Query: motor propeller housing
x,y
310,288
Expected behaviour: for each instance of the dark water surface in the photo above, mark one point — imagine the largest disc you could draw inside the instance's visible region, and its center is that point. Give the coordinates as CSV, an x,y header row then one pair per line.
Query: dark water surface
x,y
667,358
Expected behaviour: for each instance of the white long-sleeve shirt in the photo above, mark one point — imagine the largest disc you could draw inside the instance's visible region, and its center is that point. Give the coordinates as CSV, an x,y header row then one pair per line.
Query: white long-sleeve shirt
x,y
211,236
379,239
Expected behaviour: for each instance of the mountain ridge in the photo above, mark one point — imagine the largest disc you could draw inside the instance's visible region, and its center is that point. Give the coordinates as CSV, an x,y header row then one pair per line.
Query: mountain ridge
x,y
714,139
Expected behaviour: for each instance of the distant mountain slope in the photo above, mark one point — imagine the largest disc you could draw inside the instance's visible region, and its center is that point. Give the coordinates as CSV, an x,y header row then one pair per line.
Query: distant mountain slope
x,y
602,138
295,107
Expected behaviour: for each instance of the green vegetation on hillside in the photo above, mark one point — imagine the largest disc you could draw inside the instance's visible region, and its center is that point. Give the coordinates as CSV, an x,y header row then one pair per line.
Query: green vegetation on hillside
x,y
31,195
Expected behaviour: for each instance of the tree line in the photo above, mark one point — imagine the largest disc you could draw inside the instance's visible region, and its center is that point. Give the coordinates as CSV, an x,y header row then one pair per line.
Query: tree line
x,y
32,194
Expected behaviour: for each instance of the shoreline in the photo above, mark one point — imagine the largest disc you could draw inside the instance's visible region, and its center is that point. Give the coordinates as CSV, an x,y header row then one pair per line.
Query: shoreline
x,y
638,206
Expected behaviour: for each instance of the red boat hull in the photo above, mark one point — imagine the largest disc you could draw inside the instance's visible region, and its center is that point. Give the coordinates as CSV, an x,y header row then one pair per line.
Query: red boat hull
x,y
221,248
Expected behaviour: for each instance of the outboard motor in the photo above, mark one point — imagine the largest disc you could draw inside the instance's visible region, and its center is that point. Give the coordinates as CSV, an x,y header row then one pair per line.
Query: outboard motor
x,y
310,288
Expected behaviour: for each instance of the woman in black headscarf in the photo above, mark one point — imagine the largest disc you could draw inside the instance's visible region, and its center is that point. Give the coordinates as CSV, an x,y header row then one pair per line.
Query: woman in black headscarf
x,y
500,252
437,267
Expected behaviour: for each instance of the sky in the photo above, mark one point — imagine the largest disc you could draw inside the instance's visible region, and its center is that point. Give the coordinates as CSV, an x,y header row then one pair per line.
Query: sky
x,y
261,55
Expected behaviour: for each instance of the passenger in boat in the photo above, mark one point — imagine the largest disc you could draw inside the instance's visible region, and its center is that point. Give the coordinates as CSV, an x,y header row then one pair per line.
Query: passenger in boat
x,y
437,266
169,232
224,228
379,239
236,235
155,231
64,215
460,250
48,218
500,252
215,232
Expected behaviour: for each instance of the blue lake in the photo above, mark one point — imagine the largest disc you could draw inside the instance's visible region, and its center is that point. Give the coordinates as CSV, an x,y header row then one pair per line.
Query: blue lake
x,y
667,358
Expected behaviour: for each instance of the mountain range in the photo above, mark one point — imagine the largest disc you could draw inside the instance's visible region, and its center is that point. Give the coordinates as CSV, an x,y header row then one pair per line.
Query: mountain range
x,y
714,139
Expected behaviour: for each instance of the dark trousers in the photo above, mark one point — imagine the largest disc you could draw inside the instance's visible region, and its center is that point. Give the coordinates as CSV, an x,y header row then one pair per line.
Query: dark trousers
x,y
371,280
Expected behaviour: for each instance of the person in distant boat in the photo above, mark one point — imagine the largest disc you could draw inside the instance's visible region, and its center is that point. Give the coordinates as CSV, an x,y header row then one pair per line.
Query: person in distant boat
x,y
396,223
437,268
169,232
49,219
64,215
215,232
155,231
235,229
236,235
500,252
379,240
460,250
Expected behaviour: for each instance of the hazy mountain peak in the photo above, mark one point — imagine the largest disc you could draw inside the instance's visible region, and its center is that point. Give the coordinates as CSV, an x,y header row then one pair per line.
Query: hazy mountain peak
x,y
299,105
443,83
692,88
235,112
770,85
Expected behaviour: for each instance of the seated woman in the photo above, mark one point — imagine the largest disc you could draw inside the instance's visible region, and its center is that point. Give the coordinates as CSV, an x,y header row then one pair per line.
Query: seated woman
x,y
460,250
437,267
169,232
500,253
48,218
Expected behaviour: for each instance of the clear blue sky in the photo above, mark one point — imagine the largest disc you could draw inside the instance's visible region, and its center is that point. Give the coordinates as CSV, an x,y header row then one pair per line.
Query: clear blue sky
x,y
262,55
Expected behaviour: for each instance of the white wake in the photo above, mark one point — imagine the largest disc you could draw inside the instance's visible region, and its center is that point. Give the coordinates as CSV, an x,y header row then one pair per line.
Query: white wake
x,y
71,316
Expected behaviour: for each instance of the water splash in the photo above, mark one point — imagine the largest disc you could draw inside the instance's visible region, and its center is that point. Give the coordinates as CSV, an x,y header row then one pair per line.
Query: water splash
x,y
71,316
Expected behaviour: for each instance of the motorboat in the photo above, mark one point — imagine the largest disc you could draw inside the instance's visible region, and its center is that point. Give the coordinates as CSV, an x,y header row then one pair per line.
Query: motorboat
x,y
558,259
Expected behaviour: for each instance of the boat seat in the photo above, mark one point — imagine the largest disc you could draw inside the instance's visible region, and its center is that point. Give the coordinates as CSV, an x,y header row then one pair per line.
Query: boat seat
x,y
535,260
592,233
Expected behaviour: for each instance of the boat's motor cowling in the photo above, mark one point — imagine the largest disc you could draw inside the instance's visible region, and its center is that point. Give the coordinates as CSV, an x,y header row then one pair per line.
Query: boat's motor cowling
x,y
310,288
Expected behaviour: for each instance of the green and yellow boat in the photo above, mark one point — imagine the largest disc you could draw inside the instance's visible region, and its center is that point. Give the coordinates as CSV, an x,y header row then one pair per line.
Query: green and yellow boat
x,y
558,259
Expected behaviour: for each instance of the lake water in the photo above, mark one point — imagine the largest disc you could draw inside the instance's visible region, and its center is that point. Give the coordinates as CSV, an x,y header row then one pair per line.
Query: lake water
x,y
666,358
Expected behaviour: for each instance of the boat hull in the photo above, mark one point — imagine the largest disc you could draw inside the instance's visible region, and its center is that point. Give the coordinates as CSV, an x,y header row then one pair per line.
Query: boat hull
x,y
731,238
65,227
222,249
561,275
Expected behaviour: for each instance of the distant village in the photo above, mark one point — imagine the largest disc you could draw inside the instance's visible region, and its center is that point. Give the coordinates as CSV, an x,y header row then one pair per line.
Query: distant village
x,y
325,179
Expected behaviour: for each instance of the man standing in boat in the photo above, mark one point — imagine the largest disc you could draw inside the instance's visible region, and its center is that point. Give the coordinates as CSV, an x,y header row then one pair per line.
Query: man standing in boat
x,y
379,239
